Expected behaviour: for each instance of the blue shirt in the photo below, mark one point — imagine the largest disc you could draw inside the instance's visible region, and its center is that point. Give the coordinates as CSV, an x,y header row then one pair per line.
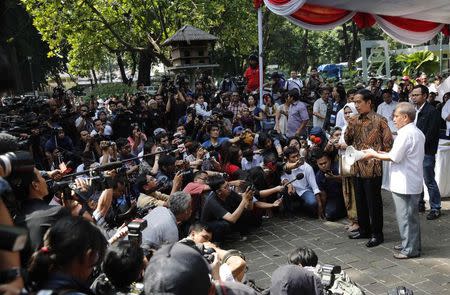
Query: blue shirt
x,y
207,144
297,114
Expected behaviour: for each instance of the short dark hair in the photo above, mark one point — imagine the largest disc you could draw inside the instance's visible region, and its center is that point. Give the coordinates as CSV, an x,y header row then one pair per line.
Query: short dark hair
x,y
210,126
121,142
166,160
367,95
294,93
303,256
215,182
290,150
198,227
423,89
388,91
123,263
351,91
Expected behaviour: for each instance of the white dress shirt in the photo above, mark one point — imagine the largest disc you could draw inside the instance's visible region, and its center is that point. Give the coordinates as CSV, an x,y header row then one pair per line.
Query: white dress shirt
x,y
445,113
387,111
407,155
201,109
307,183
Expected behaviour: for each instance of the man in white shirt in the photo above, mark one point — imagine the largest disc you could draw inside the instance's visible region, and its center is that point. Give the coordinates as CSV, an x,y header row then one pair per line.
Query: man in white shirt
x,y
446,116
406,178
320,108
305,188
294,82
387,108
201,107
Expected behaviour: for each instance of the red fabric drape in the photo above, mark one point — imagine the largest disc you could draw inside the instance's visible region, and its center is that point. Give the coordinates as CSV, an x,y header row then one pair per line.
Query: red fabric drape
x,y
319,15
408,24
257,3
364,20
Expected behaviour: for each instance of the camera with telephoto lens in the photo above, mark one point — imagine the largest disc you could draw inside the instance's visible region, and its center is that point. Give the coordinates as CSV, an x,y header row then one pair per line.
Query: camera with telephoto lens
x,y
20,162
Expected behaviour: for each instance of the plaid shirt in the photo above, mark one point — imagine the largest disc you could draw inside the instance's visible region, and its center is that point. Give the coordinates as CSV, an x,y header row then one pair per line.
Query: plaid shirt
x,y
236,109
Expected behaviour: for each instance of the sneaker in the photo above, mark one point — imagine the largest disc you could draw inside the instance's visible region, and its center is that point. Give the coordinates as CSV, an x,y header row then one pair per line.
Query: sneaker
x,y
434,214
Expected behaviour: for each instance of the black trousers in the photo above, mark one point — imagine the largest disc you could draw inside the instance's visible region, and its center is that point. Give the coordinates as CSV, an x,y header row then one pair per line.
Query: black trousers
x,y
369,206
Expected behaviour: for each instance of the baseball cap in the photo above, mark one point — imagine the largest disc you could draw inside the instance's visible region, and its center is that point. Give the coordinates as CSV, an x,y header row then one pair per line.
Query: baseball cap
x,y
177,269
159,131
293,279
238,130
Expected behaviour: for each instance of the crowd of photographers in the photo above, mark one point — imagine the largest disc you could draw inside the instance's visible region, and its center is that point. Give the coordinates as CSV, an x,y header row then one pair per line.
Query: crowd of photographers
x,y
139,193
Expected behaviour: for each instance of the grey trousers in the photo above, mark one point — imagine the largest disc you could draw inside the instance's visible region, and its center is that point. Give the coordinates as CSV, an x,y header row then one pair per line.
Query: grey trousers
x,y
407,213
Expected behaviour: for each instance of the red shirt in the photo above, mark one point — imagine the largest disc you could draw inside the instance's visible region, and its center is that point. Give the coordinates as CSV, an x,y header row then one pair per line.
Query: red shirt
x,y
252,77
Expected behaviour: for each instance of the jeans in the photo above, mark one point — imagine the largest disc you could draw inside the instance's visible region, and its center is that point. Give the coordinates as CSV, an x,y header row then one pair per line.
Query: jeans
x,y
407,214
307,201
433,189
369,206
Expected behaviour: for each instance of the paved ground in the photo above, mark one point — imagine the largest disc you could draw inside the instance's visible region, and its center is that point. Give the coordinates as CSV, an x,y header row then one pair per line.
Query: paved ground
x,y
374,269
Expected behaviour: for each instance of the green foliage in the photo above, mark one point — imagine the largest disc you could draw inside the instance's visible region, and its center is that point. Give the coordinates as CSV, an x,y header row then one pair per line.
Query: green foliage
x,y
109,89
417,62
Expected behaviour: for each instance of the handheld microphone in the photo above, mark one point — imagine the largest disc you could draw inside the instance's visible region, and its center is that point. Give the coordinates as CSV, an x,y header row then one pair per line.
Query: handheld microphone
x,y
297,177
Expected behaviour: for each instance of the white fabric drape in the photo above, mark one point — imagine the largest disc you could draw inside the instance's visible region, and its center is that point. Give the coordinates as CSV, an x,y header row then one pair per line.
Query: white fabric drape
x,y
405,36
285,9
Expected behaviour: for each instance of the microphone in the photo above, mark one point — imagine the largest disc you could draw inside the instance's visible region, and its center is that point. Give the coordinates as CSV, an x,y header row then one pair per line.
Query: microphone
x,y
109,166
297,177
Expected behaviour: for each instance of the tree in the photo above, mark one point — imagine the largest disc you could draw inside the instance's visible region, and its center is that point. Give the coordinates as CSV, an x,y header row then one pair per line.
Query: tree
x,y
417,62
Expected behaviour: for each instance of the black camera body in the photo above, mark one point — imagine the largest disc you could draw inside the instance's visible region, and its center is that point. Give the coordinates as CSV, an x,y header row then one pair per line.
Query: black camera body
x,y
328,274
135,229
208,254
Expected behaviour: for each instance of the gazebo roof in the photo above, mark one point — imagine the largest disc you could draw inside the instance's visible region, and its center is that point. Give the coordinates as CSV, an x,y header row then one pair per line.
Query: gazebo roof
x,y
189,33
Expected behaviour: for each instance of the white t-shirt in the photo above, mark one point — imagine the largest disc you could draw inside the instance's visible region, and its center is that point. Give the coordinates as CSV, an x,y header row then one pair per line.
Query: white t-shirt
x,y
407,155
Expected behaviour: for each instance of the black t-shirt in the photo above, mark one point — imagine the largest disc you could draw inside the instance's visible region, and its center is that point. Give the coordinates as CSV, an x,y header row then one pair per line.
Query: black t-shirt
x,y
214,208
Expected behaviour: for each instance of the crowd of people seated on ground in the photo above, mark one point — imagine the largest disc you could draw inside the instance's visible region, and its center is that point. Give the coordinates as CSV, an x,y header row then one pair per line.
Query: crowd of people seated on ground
x,y
199,167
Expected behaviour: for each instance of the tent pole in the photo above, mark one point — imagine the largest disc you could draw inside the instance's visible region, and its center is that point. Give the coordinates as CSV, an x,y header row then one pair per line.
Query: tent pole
x,y
260,54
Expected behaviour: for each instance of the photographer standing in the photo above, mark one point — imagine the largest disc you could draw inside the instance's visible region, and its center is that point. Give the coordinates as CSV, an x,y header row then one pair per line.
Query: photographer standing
x,y
84,121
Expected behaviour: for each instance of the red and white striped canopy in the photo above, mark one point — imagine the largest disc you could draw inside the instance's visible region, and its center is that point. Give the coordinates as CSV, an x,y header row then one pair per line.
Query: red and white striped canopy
x,y
408,21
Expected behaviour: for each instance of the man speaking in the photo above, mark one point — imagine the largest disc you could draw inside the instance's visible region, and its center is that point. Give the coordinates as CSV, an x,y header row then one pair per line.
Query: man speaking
x,y
406,178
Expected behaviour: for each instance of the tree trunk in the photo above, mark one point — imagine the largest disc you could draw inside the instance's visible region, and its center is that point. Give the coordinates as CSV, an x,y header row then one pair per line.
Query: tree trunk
x,y
354,46
133,68
304,54
346,53
57,78
121,68
94,75
15,75
145,65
